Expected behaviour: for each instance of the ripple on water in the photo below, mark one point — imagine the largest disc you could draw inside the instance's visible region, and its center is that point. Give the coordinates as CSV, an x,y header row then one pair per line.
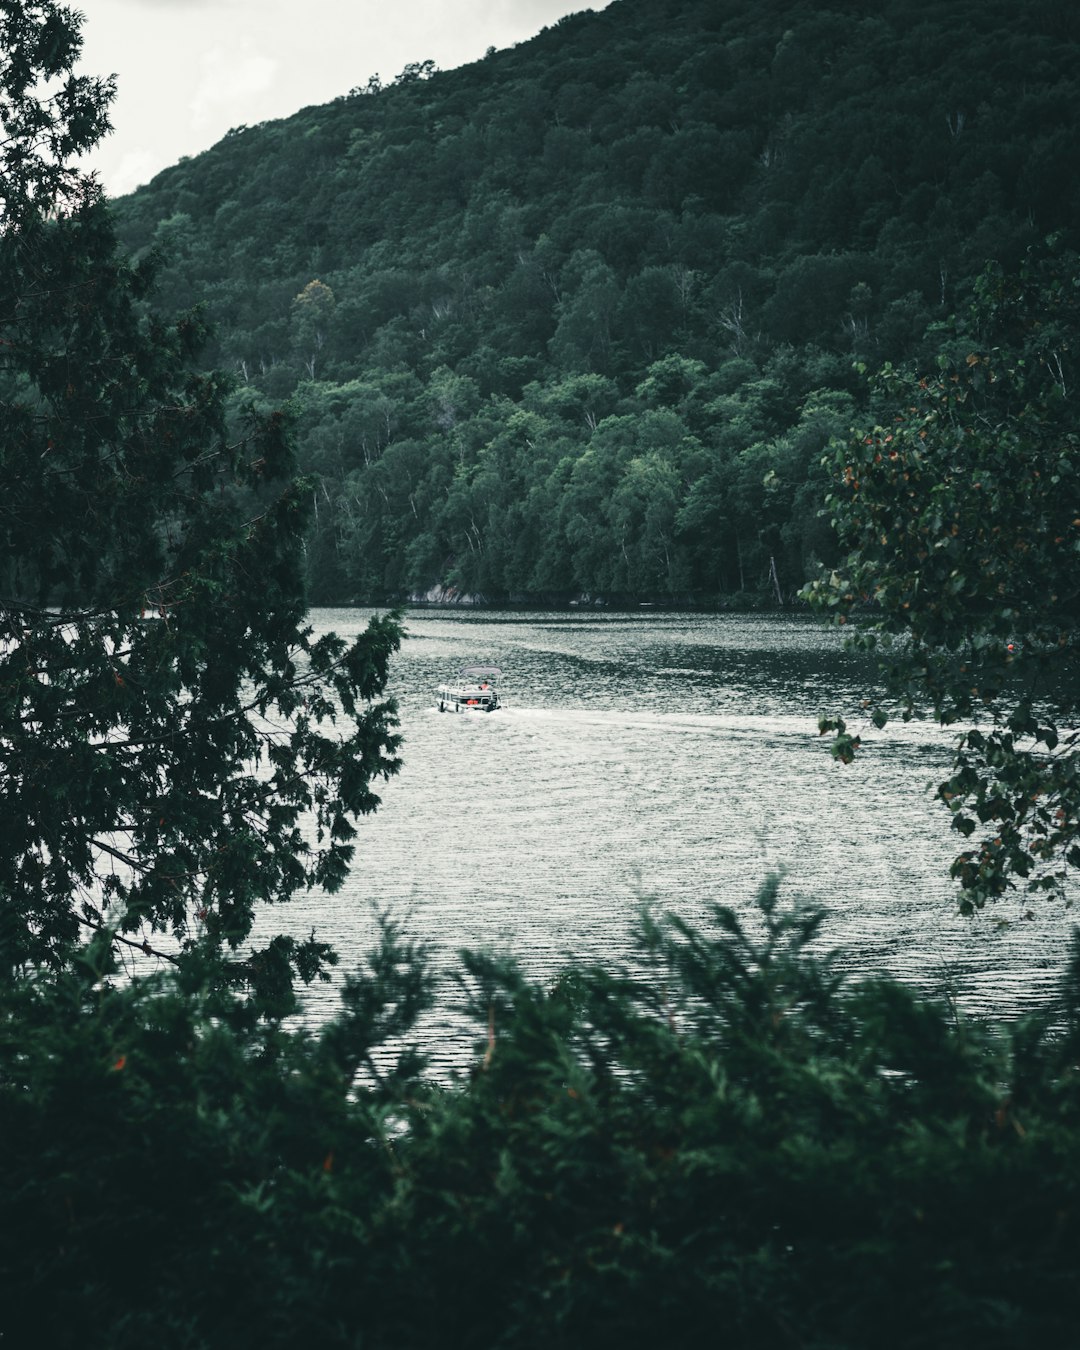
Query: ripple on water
x,y
664,758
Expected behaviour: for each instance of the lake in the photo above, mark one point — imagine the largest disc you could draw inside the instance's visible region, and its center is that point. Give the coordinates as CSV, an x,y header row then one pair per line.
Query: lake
x,y
667,758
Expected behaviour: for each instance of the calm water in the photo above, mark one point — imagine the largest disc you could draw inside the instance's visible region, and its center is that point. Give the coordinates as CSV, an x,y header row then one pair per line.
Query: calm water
x,y
672,758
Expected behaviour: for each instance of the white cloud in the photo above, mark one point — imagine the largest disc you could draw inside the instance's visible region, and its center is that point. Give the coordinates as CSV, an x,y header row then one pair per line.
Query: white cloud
x,y
229,78
190,69
174,4
132,170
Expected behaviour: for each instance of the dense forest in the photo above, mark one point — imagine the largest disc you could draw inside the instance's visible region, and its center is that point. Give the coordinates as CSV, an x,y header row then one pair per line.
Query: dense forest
x,y
627,391
581,318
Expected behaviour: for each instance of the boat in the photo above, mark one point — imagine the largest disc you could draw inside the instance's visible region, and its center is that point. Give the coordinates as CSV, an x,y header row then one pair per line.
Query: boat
x,y
472,691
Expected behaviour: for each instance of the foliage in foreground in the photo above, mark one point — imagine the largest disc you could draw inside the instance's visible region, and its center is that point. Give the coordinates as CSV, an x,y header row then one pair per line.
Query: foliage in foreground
x,y
961,511
169,723
729,1140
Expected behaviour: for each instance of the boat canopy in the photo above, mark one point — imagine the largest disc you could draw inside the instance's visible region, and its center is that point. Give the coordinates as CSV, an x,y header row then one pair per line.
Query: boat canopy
x,y
481,672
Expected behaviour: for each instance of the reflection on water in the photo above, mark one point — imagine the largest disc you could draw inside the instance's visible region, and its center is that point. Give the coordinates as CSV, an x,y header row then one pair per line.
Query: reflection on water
x,y
672,758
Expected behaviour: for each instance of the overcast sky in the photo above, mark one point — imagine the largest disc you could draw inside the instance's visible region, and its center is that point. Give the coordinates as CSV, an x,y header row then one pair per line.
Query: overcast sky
x,y
188,70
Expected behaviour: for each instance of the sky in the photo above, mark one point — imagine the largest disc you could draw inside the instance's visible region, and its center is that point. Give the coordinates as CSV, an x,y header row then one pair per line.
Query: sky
x,y
188,70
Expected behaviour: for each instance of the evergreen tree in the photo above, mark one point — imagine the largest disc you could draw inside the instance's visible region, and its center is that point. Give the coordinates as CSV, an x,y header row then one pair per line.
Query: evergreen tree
x,y
166,715
730,1134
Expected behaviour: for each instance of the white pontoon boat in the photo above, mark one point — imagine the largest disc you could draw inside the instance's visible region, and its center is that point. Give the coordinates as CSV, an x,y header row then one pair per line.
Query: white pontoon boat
x,y
473,691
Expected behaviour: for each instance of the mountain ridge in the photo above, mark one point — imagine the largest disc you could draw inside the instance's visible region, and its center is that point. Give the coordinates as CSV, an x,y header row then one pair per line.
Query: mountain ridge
x,y
581,316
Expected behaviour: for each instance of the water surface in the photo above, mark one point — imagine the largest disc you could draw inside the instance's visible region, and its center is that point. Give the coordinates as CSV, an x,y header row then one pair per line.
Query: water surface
x,y
669,758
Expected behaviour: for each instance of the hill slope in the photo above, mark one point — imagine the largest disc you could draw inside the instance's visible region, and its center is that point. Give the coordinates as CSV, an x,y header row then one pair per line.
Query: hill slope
x,y
582,316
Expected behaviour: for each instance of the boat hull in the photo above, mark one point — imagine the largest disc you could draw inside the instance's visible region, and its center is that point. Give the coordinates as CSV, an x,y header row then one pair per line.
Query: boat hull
x,y
448,699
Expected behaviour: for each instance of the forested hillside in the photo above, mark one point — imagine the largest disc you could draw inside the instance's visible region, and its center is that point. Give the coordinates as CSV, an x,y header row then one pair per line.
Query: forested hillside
x,y
583,316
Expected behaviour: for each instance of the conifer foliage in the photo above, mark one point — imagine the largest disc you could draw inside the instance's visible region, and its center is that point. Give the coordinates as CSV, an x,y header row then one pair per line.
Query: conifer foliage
x,y
165,714
730,1143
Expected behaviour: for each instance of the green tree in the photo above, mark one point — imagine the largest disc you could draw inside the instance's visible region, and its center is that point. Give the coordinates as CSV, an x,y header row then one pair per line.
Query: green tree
x,y
642,511
312,315
583,337
48,114
167,717
961,512
631,202
728,1132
